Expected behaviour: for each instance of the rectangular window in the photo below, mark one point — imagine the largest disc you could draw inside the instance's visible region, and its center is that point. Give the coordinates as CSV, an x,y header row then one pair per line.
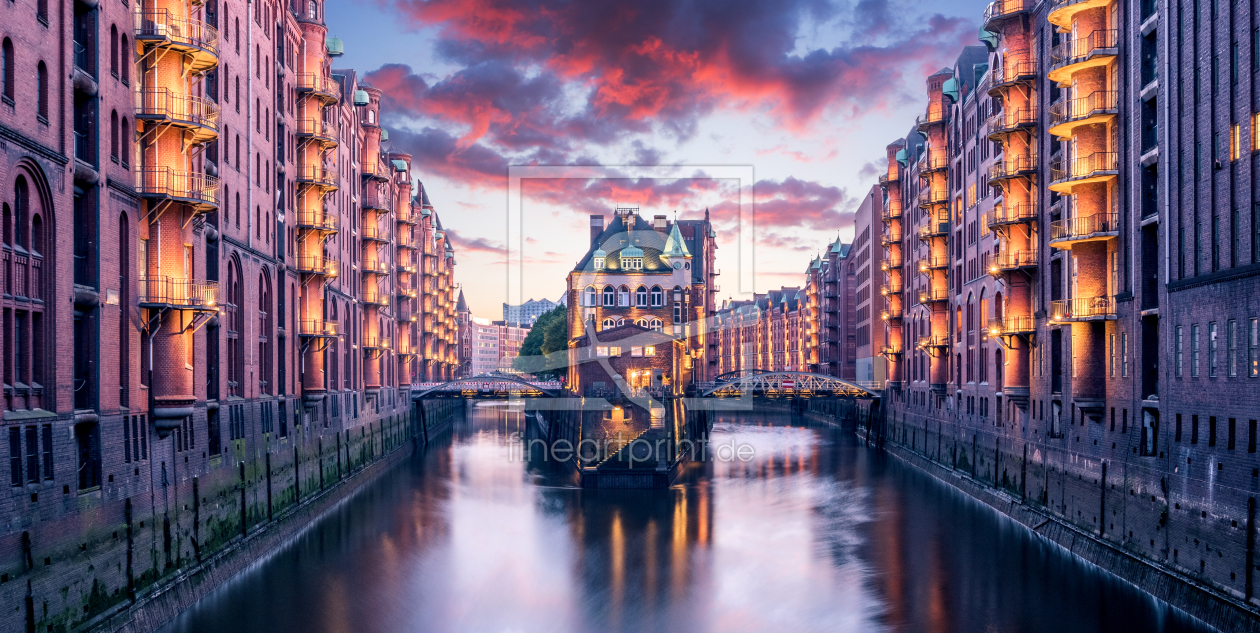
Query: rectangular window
x,y
1194,350
1253,348
636,352
46,433
1112,359
1235,141
1251,436
126,440
601,351
1194,429
1177,431
32,454
1212,350
1124,354
650,350
1231,348
1229,439
1211,430
1178,340
15,455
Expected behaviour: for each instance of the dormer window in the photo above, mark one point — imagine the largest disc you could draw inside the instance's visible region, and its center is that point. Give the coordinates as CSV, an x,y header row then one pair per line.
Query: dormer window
x,y
598,258
599,263
632,263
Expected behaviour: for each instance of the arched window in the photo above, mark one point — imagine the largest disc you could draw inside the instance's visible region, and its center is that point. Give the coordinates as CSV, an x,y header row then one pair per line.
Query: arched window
x,y
265,321
124,138
41,90
590,297
312,10
25,326
641,297
658,297
610,296
113,50
621,322
7,71
643,323
609,323
656,324
623,297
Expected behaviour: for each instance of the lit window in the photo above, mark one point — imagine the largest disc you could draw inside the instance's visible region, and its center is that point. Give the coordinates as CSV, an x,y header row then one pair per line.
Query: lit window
x,y
609,323
602,352
1212,350
649,350
590,296
636,352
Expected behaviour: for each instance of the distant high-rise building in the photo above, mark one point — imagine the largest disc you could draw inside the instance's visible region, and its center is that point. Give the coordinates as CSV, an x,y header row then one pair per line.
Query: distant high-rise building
x,y
526,313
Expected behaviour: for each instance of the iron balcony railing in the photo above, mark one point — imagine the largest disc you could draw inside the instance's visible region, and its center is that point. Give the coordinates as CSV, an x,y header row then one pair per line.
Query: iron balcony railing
x,y
318,327
1083,309
1082,227
1018,67
160,26
933,295
930,195
1082,48
317,265
320,85
933,341
892,210
1012,165
1012,119
374,268
317,128
178,108
889,351
1095,103
890,262
375,342
319,176
178,292
888,178
407,293
164,182
1012,325
1011,214
405,216
891,237
376,298
891,314
319,221
933,161
933,230
999,9
373,233
375,169
1012,259
935,114
933,262
890,290
1083,167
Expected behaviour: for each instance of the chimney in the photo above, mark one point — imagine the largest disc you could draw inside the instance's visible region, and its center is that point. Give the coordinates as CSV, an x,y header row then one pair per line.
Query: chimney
x,y
597,227
658,223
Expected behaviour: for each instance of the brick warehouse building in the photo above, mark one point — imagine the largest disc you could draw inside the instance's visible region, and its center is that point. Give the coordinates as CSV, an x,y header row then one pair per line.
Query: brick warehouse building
x,y
659,276
1071,246
270,286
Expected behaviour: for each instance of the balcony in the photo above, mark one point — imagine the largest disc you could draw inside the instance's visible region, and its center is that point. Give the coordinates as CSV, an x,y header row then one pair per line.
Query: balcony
x,y
317,266
933,230
407,293
933,262
892,211
929,196
1096,107
1066,174
1010,214
933,162
933,295
193,114
1007,260
375,170
1011,120
1012,325
889,351
408,245
318,328
1095,309
374,200
374,268
1012,165
1099,48
890,263
933,342
1000,10
178,293
375,343
1063,11
198,41
318,130
890,290
1015,71
406,216
317,221
320,177
376,298
890,237
199,190
369,233
406,268
1092,228
892,177
323,88
891,315
935,115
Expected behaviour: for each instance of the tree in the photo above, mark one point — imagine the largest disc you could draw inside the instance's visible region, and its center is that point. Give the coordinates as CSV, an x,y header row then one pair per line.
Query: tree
x,y
548,335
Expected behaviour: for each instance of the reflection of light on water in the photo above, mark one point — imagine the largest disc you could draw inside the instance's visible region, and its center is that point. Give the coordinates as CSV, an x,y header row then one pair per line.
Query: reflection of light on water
x,y
786,546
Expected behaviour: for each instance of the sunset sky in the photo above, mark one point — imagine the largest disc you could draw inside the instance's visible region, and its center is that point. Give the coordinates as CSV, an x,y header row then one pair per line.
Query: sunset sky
x,y
806,93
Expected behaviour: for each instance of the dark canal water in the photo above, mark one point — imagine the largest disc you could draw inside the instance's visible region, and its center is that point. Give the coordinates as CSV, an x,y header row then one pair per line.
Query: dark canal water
x,y
814,533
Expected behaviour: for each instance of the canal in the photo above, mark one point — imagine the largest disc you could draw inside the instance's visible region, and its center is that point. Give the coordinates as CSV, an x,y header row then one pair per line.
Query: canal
x,y
813,532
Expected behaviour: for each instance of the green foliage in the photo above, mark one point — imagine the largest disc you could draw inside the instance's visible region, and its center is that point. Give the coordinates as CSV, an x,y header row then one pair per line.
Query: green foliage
x,y
549,335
